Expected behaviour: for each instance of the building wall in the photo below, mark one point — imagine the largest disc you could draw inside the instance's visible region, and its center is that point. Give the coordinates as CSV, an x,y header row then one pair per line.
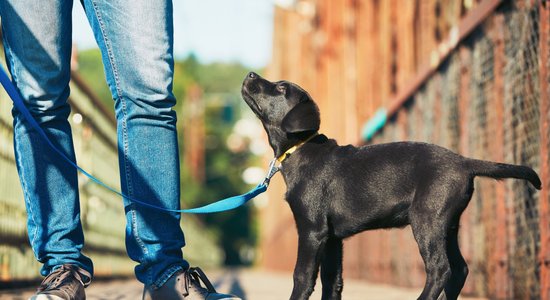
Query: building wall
x,y
482,93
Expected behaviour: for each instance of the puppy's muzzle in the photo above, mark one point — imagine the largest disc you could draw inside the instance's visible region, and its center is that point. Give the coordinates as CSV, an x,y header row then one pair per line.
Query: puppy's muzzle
x,y
250,86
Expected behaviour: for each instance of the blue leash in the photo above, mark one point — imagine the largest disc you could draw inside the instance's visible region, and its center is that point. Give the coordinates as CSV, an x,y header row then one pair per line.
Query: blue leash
x,y
219,206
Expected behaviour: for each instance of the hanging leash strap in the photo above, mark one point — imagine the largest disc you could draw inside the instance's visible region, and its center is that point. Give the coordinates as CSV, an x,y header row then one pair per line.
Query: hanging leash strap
x,y
219,206
236,201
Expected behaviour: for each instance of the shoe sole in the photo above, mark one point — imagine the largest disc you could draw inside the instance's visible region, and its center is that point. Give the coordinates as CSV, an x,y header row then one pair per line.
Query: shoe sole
x,y
45,297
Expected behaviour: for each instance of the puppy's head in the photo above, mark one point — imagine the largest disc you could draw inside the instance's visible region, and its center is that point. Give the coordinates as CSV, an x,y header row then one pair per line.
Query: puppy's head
x,y
287,112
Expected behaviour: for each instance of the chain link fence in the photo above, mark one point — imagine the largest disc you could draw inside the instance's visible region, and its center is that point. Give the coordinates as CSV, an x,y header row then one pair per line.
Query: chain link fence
x,y
485,102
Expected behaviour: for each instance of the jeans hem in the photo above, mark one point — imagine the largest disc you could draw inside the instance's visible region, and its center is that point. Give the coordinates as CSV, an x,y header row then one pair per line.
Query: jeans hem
x,y
166,275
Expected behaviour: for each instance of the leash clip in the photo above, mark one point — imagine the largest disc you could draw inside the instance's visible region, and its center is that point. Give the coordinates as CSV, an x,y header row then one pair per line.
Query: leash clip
x,y
273,169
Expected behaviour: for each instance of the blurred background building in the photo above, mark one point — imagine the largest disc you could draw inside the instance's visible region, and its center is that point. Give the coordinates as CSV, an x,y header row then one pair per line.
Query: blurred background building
x,y
469,75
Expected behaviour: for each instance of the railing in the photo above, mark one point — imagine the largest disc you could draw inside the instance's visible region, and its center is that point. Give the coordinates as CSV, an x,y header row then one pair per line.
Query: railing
x,y
94,134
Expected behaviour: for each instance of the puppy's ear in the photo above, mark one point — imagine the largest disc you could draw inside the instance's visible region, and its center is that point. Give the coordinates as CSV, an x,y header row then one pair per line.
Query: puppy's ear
x,y
302,117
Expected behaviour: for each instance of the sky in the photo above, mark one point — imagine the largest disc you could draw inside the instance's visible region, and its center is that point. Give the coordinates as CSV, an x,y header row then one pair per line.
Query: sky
x,y
214,30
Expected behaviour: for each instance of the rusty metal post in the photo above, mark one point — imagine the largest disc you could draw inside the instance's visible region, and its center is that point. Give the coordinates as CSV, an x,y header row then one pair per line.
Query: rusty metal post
x,y
500,287
349,72
466,240
404,258
544,213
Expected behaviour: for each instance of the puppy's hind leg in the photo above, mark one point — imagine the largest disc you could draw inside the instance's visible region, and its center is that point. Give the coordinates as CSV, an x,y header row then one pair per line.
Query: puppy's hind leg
x,y
459,268
458,265
431,240
331,270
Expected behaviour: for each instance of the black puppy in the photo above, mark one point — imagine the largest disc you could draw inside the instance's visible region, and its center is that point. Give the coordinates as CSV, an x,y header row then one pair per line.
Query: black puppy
x,y
337,191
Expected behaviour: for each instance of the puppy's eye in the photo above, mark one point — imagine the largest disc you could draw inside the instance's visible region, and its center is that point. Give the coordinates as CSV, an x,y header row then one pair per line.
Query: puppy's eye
x,y
281,87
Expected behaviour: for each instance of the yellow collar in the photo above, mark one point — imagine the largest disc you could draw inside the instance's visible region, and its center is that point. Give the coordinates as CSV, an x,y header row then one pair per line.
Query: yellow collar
x,y
291,150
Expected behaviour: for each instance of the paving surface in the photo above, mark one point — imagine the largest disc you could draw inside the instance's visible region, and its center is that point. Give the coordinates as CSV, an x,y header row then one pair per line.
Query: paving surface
x,y
248,284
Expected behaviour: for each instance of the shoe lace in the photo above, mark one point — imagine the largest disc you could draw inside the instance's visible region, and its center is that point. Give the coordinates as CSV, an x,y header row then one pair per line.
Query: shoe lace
x,y
63,274
194,278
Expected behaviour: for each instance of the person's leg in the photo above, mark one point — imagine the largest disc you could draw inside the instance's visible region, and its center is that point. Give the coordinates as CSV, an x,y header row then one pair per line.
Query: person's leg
x,y
135,38
37,42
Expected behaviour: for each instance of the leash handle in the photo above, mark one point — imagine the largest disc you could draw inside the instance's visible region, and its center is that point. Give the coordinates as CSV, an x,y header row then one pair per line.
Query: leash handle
x,y
218,206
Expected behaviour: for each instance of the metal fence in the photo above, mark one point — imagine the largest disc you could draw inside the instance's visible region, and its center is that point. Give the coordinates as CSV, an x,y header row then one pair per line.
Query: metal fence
x,y
101,212
484,102
483,95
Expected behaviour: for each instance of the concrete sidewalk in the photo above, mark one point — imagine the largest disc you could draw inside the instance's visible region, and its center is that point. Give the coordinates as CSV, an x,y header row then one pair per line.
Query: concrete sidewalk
x,y
249,284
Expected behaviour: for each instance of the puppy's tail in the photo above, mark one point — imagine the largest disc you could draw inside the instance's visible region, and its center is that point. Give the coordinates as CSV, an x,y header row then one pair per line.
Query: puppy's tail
x,y
500,171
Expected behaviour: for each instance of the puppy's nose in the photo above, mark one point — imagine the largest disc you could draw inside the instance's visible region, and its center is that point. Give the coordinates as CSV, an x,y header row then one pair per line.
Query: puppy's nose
x,y
252,75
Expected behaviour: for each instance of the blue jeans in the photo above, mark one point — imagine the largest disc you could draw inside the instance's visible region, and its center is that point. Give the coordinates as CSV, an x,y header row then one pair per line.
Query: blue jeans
x,y
136,42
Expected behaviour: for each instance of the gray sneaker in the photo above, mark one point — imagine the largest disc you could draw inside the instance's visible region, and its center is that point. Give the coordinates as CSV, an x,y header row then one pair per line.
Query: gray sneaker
x,y
67,282
186,285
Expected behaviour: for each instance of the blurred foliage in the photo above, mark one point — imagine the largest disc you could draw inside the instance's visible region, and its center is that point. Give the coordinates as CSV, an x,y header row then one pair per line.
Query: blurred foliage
x,y
90,68
220,84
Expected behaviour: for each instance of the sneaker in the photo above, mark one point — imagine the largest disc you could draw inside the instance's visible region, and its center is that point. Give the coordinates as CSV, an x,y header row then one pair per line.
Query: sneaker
x,y
186,285
67,282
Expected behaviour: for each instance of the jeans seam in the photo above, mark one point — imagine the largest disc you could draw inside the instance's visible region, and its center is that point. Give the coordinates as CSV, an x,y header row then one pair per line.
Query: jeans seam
x,y
29,202
135,230
108,48
14,76
127,172
129,180
9,55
